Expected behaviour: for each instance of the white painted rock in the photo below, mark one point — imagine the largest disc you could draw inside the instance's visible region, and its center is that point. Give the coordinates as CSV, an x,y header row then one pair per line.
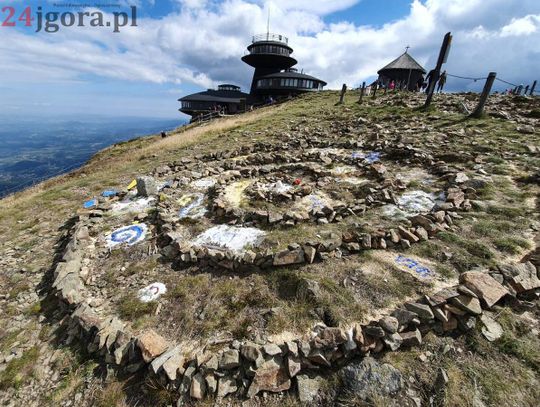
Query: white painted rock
x,y
152,292
232,238
129,235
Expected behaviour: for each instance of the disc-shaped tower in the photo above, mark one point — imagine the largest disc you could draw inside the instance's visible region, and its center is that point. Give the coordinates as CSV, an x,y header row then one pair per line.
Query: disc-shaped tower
x,y
270,55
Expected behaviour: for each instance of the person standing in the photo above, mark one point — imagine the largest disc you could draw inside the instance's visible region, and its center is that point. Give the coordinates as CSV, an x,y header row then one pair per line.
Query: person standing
x,y
419,83
429,78
442,81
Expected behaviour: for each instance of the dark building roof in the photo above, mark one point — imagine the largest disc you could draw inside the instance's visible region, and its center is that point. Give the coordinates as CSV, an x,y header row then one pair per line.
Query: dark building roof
x,y
404,61
291,74
270,55
222,95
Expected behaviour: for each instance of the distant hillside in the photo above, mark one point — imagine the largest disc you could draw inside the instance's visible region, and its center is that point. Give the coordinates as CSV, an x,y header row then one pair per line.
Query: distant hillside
x,y
32,150
311,253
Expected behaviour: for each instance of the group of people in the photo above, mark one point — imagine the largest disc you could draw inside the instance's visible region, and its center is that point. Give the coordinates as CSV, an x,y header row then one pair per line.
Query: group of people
x,y
424,84
219,108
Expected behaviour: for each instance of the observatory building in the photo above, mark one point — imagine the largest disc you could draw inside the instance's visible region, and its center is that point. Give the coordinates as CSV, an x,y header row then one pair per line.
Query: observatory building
x,y
274,78
404,69
274,75
227,98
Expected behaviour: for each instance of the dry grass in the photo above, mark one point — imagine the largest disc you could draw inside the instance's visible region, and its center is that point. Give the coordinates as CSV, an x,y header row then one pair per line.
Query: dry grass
x,y
502,373
122,155
112,395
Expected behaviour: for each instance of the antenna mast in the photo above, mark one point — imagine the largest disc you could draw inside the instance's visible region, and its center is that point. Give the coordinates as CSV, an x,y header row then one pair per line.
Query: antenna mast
x,y
268,24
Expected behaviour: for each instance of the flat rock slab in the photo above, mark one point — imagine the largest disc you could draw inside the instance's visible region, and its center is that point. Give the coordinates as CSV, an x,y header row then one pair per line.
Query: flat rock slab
x,y
271,376
136,205
232,238
521,276
491,330
152,345
308,388
369,379
483,285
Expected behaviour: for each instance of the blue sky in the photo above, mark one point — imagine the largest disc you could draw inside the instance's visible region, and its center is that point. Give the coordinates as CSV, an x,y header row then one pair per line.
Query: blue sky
x,y
184,46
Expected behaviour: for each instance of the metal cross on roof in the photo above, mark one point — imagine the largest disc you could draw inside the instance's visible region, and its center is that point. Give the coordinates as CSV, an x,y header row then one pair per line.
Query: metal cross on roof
x,y
407,48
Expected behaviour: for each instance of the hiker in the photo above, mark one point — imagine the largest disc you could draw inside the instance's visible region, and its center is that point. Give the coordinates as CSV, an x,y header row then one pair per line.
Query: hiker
x,y
392,85
442,81
163,134
420,84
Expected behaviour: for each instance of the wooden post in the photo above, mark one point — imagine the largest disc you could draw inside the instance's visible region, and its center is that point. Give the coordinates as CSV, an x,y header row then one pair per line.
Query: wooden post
x,y
385,88
479,111
374,90
362,92
532,88
342,95
526,90
443,56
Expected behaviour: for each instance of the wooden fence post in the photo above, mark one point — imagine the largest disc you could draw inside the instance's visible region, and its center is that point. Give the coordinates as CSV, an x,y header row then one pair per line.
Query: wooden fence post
x,y
532,88
375,87
479,111
443,55
362,92
342,95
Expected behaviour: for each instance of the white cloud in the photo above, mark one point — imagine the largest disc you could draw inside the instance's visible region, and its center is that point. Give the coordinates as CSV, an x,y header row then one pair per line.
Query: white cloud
x,y
319,7
521,26
202,42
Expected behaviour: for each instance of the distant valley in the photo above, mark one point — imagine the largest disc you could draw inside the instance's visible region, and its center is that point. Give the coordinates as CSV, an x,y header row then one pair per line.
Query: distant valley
x,y
34,149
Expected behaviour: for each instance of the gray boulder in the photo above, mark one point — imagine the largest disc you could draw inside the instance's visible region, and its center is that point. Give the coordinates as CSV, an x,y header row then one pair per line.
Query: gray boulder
x,y
308,388
146,186
368,379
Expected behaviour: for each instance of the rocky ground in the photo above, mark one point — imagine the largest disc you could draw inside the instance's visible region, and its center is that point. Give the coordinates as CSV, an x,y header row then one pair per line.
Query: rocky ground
x,y
316,253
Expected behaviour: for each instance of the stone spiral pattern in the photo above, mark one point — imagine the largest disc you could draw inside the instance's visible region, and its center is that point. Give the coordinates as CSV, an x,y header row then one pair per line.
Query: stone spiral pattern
x,y
246,368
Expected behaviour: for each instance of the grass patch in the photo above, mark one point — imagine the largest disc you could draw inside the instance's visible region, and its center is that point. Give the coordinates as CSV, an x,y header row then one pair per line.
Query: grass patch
x,y
19,371
131,308
518,340
473,247
512,245
508,212
72,381
19,285
7,339
112,395
492,228
203,306
33,309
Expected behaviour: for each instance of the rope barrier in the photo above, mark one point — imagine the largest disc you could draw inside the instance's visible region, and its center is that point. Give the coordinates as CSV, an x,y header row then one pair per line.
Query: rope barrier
x,y
508,83
477,79
465,77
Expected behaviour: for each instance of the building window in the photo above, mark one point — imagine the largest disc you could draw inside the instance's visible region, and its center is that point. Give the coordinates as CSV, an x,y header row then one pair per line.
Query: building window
x,y
270,49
